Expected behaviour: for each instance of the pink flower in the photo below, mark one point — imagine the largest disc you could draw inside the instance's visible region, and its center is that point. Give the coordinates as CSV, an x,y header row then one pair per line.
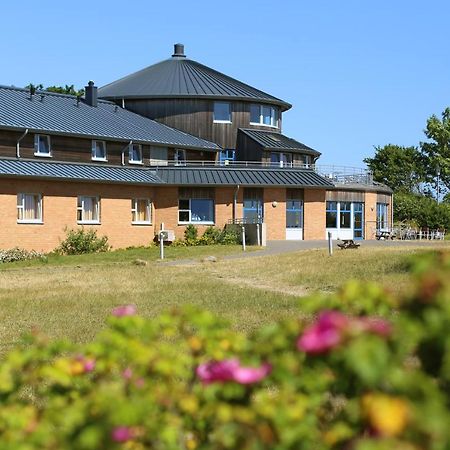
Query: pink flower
x,y
127,373
122,434
325,334
124,310
331,328
231,370
89,365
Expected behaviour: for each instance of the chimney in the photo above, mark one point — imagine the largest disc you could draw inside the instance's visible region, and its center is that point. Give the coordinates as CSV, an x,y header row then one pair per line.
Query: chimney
x,y
178,51
90,95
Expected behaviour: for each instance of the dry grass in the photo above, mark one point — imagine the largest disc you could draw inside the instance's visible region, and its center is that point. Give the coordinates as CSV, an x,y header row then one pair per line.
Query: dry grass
x,y
65,299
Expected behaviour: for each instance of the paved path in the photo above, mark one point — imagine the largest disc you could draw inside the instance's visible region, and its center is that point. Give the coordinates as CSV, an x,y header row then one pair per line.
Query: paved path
x,y
280,247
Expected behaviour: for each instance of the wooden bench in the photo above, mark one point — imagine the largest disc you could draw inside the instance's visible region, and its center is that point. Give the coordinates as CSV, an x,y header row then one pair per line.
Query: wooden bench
x,y
347,243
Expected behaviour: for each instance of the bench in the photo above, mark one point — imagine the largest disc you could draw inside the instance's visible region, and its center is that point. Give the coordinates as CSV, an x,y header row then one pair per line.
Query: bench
x,y
347,243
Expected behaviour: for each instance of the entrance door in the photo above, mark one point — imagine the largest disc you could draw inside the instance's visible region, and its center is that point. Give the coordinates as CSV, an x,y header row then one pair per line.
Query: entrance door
x,y
253,206
294,219
358,220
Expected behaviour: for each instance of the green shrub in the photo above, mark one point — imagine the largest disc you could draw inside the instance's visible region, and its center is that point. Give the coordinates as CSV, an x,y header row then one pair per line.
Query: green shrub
x,y
231,235
191,235
18,254
211,236
80,241
353,375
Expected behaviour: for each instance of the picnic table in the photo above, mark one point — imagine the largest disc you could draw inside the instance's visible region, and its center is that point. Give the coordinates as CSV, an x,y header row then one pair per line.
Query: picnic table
x,y
347,243
384,235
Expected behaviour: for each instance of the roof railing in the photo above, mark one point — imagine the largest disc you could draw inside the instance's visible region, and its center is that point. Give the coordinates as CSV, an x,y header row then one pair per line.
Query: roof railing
x,y
334,173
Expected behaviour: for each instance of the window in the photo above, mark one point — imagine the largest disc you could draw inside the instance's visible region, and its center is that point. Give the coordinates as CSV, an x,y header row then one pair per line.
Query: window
x,y
141,212
135,154
331,215
158,156
306,160
253,205
88,210
196,206
264,115
29,208
294,213
180,157
98,150
281,159
345,214
227,155
358,220
222,112
382,216
42,145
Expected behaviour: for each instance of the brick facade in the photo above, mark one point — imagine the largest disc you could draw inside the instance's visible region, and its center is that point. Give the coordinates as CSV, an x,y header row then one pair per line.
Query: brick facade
x,y
275,213
370,215
314,214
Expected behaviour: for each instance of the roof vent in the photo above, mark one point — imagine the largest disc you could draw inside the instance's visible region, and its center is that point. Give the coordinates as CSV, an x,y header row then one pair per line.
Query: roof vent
x,y
91,94
178,51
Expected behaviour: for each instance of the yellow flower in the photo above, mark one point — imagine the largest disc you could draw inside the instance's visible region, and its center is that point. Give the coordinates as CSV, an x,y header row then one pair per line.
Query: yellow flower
x,y
387,415
195,343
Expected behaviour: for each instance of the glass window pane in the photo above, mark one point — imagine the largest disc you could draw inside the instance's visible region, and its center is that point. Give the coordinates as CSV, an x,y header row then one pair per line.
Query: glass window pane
x,y
222,111
275,158
331,219
202,210
44,145
255,111
135,153
183,216
183,204
267,110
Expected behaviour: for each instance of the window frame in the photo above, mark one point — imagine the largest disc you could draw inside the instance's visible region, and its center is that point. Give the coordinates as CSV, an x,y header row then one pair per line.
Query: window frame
x,y
384,209
176,160
291,208
134,202
94,146
345,212
139,162
328,209
230,113
21,207
37,151
189,211
274,116
80,207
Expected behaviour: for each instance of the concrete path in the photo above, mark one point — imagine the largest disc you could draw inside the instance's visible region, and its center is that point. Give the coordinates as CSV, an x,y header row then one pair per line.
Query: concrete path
x,y
280,247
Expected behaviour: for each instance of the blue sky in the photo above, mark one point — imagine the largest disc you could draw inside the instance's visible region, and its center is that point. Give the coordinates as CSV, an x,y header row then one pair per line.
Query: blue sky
x,y
358,73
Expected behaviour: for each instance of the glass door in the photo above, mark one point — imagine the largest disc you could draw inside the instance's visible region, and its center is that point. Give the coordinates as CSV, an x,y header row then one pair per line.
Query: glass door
x,y
253,206
358,220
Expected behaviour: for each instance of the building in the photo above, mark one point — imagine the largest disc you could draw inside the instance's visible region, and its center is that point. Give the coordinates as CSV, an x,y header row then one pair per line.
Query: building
x,y
173,144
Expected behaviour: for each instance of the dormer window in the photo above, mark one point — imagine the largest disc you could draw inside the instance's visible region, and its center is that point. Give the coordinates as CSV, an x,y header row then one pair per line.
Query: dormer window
x,y
42,145
98,151
135,154
180,157
264,115
222,112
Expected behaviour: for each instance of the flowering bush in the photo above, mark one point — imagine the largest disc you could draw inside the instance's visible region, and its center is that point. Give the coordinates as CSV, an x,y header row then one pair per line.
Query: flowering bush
x,y
81,241
18,254
366,371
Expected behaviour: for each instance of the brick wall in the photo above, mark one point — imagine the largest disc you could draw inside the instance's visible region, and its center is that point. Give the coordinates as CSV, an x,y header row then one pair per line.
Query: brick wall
x,y
370,215
275,216
314,214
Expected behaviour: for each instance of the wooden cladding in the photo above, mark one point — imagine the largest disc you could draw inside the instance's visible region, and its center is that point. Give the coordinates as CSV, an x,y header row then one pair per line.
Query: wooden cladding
x,y
344,196
195,116
384,198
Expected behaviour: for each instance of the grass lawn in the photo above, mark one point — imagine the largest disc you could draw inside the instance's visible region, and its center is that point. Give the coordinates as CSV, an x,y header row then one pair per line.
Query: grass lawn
x,y
71,296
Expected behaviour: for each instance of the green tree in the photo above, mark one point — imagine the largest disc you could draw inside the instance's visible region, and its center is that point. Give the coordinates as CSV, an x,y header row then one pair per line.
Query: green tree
x,y
437,150
400,168
67,89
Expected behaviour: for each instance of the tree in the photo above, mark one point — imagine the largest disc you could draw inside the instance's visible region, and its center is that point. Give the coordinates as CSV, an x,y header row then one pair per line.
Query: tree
x,y
437,152
67,89
400,168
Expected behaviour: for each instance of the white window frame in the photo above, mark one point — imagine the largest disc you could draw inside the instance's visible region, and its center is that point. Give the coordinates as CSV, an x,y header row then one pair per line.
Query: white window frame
x,y
195,222
177,162
130,152
37,151
80,207
134,202
274,110
21,207
222,121
94,148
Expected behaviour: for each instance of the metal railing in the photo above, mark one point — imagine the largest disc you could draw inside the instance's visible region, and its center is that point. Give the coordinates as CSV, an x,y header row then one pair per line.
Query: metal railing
x,y
336,174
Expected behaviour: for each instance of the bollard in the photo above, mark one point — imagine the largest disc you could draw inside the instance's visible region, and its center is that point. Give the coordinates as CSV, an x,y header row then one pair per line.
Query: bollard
x,y
258,235
161,245
243,239
330,244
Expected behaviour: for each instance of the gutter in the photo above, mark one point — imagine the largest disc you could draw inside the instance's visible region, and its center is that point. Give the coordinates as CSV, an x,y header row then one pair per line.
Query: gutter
x,y
235,202
18,143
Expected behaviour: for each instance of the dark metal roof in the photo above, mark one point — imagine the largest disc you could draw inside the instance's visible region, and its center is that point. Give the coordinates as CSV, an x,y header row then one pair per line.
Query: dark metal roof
x,y
57,113
218,176
77,172
276,141
183,77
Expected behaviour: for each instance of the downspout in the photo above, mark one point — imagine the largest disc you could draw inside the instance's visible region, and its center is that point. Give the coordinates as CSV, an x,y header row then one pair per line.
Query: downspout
x,y
235,203
123,152
18,143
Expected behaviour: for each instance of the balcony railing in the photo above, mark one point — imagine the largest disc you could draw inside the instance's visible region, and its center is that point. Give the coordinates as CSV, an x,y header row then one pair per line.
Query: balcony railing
x,y
336,174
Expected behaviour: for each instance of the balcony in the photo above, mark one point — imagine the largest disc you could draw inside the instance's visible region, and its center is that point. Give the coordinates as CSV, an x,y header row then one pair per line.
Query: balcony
x,y
339,175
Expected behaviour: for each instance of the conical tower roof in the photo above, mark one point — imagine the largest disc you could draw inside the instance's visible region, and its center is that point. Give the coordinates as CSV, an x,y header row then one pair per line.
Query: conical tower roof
x,y
181,77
